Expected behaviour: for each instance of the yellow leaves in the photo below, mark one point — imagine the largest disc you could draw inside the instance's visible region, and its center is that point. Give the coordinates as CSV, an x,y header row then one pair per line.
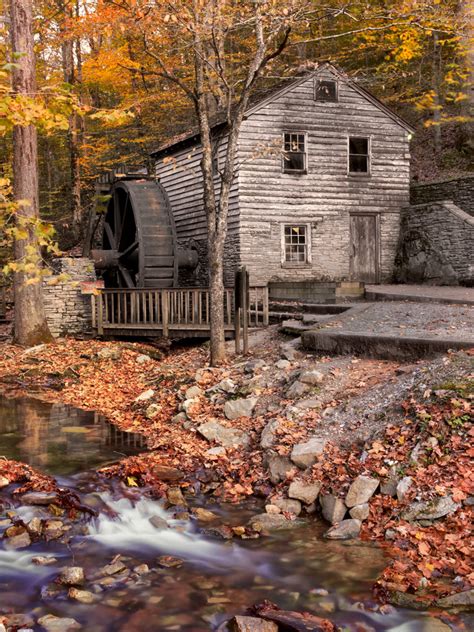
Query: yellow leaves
x,y
132,481
112,118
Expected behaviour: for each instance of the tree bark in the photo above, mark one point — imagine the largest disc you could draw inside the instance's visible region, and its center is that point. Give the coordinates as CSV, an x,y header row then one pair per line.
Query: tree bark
x,y
30,321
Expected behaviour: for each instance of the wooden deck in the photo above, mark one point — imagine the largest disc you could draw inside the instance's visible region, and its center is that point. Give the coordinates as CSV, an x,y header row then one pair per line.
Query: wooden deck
x,y
169,313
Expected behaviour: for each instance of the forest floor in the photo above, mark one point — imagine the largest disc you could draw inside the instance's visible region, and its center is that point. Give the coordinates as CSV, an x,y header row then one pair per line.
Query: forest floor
x,y
384,446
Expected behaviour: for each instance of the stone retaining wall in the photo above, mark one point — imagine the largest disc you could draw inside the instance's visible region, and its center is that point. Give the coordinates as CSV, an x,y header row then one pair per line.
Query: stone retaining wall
x,y
460,191
436,245
68,310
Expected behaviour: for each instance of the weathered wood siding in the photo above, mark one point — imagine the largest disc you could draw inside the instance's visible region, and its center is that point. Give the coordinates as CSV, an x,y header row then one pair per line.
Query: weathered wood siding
x,y
180,174
326,195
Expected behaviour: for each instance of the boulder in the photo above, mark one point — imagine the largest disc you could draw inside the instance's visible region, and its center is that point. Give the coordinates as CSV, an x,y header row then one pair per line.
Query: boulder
x,y
226,386
461,601
227,437
236,408
72,576
333,508
271,522
188,404
403,487
20,540
305,454
279,467
82,596
4,482
152,411
306,492
110,353
179,418
203,515
361,490
297,390
360,512
158,523
312,377
288,505
430,510
345,530
192,392
389,486
58,624
113,568
267,438
19,621
217,451
35,526
143,359
174,496
145,396
289,350
283,365
251,624
38,498
254,365
272,509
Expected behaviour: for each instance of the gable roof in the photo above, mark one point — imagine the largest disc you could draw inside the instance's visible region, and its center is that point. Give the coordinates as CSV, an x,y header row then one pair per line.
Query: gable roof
x,y
262,98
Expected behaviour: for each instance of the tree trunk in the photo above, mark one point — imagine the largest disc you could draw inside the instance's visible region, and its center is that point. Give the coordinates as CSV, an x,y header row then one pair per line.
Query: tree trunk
x,y
30,321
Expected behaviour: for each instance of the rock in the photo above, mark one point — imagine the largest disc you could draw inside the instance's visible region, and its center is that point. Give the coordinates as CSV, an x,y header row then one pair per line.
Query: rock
x,y
460,601
360,512
38,498
179,418
228,437
35,526
110,353
272,509
306,492
168,561
203,515
192,392
4,482
254,365
361,490
403,487
158,523
297,390
113,568
389,486
143,359
72,576
58,624
283,365
20,540
279,467
312,377
226,386
236,408
141,569
289,350
53,529
305,454
145,396
19,621
217,451
287,505
167,473
82,596
251,624
345,530
430,510
174,495
43,560
333,508
267,438
152,411
271,522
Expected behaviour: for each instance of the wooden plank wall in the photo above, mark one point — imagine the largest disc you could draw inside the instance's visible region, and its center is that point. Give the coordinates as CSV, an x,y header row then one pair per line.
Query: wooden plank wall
x,y
326,195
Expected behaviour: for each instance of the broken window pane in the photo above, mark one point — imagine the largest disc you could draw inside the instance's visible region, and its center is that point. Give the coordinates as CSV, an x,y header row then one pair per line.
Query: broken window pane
x,y
294,153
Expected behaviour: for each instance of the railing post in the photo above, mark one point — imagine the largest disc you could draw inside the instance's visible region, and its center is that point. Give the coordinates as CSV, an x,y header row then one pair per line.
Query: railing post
x,y
266,311
165,312
245,311
100,314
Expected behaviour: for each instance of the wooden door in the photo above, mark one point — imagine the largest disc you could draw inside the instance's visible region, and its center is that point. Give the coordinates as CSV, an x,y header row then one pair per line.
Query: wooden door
x,y
364,248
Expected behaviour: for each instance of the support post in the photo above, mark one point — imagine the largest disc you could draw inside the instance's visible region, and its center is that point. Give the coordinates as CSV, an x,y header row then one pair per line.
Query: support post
x,y
266,310
100,314
165,297
245,311
237,329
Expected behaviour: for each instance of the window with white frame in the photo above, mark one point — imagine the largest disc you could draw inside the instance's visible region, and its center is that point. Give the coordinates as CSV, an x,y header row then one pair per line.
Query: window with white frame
x,y
359,154
296,240
294,152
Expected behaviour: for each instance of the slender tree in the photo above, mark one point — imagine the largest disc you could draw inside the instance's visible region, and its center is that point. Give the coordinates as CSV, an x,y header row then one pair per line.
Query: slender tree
x,y
30,322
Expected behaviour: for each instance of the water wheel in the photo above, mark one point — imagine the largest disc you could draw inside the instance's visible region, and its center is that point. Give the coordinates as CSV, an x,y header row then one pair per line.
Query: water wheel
x,y
139,240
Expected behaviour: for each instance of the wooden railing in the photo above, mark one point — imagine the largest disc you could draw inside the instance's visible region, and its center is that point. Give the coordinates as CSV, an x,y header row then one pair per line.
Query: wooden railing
x,y
170,309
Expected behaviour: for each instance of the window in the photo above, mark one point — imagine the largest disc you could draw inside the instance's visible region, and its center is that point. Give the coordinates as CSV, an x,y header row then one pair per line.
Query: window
x,y
359,155
296,244
326,91
294,153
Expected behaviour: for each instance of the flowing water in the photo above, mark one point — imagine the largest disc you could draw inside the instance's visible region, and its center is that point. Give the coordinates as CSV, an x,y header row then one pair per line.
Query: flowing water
x,y
297,569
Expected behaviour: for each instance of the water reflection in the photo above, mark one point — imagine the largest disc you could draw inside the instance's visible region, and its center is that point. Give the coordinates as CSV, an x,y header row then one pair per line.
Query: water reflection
x,y
60,439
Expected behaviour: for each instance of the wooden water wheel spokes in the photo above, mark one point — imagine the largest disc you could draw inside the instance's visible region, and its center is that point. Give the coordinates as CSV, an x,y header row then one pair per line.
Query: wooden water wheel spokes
x,y
139,243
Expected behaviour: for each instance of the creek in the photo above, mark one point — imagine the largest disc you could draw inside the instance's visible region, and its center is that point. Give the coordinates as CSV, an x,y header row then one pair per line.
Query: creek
x,y
202,581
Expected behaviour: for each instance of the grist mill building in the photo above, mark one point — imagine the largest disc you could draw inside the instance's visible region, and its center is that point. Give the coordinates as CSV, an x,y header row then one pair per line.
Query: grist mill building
x,y
323,172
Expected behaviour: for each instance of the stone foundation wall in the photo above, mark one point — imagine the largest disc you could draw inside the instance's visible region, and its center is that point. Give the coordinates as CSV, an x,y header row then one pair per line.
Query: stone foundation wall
x,y
436,245
68,310
199,276
460,191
